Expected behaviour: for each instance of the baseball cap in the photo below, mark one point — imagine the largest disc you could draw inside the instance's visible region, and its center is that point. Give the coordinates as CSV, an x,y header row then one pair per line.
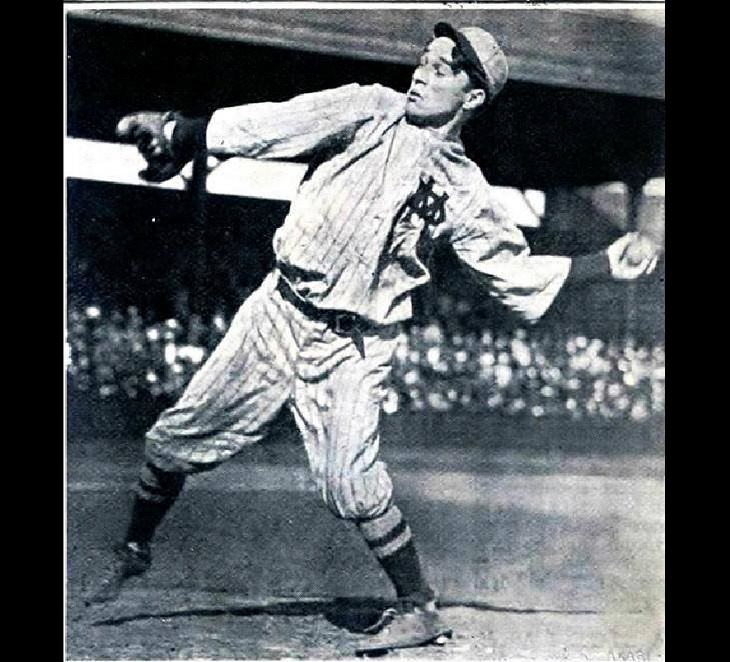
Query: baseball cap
x,y
487,63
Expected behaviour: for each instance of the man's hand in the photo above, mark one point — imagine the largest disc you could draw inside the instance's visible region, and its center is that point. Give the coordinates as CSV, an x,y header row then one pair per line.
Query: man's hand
x,y
147,130
632,256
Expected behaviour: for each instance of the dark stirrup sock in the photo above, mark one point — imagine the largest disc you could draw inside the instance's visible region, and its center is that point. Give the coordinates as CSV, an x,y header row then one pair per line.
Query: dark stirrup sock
x,y
390,539
156,491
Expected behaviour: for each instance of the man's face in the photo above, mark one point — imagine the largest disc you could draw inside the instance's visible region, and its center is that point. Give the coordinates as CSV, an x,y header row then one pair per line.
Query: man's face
x,y
437,92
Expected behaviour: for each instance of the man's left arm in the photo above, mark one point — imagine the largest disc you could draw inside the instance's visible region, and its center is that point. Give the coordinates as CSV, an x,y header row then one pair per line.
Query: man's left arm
x,y
499,257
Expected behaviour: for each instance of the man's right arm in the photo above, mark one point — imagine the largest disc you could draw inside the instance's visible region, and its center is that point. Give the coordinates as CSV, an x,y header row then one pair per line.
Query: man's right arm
x,y
287,129
292,128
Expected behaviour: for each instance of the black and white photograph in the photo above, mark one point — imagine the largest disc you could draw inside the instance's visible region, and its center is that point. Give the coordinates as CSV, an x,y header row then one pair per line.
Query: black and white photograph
x,y
364,331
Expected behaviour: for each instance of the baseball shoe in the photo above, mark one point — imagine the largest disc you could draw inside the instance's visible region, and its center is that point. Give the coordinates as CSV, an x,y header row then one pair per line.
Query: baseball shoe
x,y
406,626
129,559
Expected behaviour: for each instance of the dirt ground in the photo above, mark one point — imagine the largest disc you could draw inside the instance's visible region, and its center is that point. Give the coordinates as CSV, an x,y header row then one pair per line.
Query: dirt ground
x,y
537,555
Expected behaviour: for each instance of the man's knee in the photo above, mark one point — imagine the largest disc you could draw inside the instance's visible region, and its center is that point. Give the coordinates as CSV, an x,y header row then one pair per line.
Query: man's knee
x,y
359,496
158,485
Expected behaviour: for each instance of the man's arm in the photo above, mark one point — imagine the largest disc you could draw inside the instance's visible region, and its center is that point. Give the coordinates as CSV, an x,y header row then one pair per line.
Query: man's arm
x,y
281,130
292,128
625,259
498,256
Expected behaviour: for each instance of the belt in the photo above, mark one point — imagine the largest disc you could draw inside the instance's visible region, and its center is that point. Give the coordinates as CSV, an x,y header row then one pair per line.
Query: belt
x,y
342,322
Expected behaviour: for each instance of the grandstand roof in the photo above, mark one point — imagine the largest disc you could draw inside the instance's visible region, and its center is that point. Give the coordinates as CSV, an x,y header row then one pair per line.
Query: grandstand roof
x,y
610,50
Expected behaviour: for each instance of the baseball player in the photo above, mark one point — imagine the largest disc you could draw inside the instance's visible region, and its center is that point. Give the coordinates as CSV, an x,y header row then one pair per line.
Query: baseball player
x,y
319,334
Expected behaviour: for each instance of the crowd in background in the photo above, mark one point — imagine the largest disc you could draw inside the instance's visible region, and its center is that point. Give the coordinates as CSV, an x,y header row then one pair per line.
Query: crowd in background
x,y
441,364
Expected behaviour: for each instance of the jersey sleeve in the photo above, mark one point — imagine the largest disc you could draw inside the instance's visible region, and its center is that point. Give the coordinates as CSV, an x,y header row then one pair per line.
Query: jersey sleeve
x,y
497,255
288,129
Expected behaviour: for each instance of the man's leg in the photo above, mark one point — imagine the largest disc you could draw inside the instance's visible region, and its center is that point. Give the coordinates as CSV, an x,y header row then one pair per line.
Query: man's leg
x,y
226,406
338,415
156,491
390,539
414,620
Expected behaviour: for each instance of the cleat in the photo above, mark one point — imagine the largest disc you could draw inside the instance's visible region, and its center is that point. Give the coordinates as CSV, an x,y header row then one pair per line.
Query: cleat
x,y
425,600
129,559
407,628
385,619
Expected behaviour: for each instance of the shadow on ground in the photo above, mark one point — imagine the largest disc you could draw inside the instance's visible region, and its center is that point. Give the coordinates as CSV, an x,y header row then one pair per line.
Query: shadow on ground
x,y
354,614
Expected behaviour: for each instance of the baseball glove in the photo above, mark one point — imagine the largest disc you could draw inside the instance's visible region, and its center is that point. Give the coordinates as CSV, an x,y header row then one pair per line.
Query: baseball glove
x,y
146,129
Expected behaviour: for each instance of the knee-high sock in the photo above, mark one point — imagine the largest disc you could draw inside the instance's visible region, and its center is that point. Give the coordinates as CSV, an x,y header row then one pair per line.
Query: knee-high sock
x,y
156,491
390,539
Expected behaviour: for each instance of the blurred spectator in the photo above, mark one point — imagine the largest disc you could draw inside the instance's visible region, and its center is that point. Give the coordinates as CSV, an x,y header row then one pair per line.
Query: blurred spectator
x,y
442,365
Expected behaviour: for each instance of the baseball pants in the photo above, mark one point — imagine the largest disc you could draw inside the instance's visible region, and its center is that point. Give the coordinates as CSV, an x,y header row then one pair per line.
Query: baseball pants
x,y
272,356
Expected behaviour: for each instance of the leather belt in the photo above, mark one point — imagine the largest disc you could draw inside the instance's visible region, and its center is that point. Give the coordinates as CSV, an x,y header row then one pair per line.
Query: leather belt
x,y
342,322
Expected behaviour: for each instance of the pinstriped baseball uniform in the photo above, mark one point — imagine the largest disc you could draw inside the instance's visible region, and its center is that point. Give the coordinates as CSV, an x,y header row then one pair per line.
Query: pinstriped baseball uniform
x,y
272,355
355,239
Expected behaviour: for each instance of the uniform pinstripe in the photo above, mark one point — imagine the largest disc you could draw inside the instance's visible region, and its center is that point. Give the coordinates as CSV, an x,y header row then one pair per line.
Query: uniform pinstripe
x,y
351,241
331,244
272,356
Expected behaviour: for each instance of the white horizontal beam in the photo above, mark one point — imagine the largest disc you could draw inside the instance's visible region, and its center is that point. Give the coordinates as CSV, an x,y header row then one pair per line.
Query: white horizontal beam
x,y
121,164
247,178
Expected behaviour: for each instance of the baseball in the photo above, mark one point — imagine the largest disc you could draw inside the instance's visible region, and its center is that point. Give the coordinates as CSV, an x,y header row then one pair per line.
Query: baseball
x,y
639,250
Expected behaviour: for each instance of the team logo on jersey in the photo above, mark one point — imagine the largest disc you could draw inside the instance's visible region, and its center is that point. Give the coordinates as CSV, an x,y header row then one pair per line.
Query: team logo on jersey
x,y
425,203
